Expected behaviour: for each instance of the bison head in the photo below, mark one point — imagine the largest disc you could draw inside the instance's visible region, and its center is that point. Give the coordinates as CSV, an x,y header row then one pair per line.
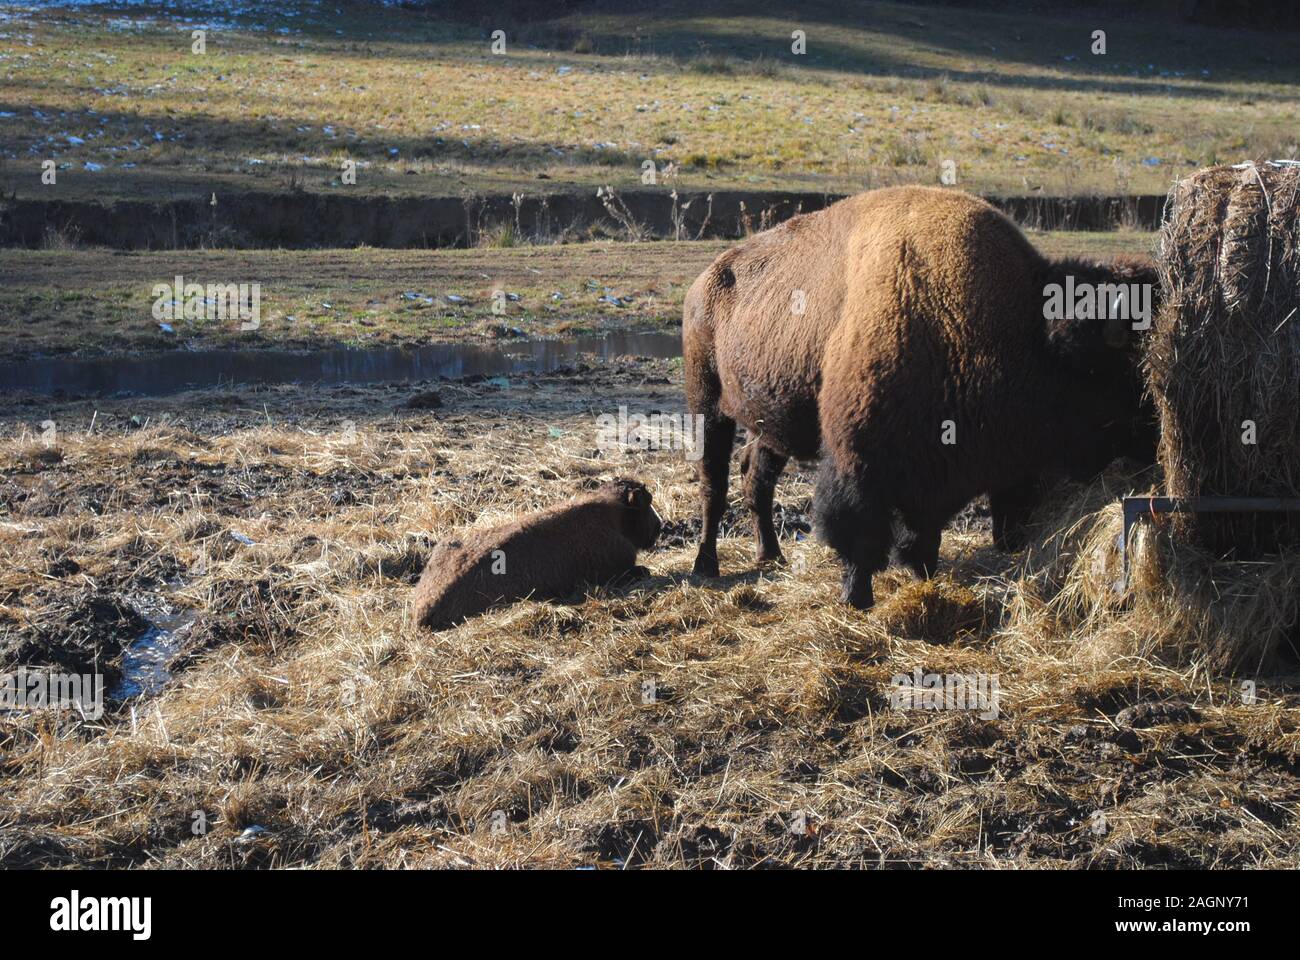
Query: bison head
x,y
1095,314
1092,309
641,524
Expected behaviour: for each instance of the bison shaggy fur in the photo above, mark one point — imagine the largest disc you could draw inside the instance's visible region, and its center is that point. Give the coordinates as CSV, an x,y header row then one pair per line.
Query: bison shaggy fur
x,y
856,333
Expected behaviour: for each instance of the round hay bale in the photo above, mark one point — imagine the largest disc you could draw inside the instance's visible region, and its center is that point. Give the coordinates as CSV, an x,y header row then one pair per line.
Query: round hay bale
x,y
1223,359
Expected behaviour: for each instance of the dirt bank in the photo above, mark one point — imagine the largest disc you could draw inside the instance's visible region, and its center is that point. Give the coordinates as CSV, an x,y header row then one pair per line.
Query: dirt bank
x,y
307,220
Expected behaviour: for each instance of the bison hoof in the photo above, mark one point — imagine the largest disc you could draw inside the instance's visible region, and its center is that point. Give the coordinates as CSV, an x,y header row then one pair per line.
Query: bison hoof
x,y
771,558
706,567
1010,541
858,594
859,602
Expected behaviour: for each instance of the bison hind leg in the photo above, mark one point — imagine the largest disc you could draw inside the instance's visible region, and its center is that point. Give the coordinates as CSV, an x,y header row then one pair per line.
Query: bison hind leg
x,y
715,464
853,519
761,468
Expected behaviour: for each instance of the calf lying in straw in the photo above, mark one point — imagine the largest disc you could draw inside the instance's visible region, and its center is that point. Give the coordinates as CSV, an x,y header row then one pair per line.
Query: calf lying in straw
x,y
592,539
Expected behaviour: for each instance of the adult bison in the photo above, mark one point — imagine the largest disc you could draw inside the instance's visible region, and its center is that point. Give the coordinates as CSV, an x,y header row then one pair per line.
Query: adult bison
x,y
883,326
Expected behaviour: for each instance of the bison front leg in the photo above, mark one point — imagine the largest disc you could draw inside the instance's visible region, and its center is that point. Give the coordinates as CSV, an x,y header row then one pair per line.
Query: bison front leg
x,y
715,464
761,467
919,549
855,582
855,523
1011,509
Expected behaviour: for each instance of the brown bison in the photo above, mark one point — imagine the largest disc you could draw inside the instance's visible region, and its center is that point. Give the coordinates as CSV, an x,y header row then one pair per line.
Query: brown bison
x,y
885,325
591,539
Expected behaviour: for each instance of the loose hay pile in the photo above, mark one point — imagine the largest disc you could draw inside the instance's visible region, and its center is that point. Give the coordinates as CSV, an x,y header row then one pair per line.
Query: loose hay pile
x,y
1181,608
1224,357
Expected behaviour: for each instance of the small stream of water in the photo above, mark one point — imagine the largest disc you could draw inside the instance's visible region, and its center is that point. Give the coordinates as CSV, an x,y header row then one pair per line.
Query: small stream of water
x,y
161,373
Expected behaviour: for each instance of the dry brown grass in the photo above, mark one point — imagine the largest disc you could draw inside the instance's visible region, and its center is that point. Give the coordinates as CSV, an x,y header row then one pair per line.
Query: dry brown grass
x,y
310,707
884,94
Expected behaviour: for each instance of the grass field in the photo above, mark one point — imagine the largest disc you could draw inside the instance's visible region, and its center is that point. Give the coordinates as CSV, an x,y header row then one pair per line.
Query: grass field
x,y
309,724
94,302
286,92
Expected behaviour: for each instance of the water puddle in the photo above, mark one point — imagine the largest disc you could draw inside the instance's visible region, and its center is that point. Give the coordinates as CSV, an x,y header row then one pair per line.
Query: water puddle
x,y
146,664
161,373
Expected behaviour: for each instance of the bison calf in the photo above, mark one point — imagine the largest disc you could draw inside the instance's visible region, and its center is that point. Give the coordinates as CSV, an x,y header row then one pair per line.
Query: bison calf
x,y
592,539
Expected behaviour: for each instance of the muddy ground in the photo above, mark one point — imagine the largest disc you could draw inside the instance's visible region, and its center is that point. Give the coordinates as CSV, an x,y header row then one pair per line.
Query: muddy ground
x,y
306,723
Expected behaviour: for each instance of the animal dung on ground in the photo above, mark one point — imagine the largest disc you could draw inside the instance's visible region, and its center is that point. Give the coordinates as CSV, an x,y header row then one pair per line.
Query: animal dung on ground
x,y
1224,355
589,540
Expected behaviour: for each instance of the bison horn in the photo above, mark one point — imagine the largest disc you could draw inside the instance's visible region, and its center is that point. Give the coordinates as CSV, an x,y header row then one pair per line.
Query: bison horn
x,y
1115,332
